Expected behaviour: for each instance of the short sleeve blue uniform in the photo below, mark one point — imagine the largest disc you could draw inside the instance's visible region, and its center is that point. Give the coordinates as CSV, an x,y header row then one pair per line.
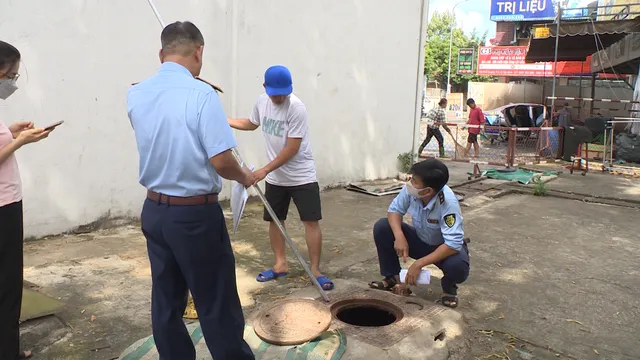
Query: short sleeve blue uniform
x,y
438,222
179,125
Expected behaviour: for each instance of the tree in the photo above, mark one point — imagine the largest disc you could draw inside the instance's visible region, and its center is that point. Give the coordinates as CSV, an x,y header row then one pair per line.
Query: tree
x,y
437,51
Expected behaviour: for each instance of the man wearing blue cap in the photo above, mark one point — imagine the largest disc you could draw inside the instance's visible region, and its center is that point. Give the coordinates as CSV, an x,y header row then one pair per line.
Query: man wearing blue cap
x,y
291,172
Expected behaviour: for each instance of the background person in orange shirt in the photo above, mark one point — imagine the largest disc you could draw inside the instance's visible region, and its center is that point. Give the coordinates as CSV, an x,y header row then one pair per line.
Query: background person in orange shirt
x,y
476,117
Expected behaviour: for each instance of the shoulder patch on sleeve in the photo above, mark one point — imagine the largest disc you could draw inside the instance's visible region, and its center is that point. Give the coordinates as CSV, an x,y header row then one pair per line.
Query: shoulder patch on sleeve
x,y
450,220
441,197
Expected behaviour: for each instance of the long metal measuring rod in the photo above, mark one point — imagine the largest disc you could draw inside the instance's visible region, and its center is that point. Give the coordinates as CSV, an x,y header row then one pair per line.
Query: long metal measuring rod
x,y
290,242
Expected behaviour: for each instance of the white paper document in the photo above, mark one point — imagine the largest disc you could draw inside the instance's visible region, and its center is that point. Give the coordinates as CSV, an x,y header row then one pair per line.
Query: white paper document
x,y
239,197
423,279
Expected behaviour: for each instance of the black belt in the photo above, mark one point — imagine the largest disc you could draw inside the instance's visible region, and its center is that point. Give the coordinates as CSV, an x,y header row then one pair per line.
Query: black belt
x,y
182,201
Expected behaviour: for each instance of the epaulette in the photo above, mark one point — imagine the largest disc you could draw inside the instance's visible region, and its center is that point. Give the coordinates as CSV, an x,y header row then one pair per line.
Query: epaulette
x,y
441,197
215,87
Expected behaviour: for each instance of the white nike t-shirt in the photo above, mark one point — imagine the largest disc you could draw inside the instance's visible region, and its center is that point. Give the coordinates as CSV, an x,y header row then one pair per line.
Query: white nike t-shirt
x,y
279,122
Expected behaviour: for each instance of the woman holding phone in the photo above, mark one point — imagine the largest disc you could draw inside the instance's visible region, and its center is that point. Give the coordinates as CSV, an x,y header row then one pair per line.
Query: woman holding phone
x,y
12,138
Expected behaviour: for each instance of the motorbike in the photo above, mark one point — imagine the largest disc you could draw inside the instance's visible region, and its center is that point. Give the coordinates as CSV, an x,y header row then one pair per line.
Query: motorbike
x,y
491,133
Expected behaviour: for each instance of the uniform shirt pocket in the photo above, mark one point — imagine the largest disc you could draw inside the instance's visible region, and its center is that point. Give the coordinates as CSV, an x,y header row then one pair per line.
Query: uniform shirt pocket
x,y
432,223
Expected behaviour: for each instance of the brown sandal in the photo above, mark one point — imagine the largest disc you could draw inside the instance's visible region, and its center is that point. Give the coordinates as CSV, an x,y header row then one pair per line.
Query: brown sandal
x,y
387,284
449,301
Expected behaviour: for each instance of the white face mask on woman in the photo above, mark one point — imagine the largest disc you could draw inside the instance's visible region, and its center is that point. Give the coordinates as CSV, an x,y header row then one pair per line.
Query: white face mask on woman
x,y
7,88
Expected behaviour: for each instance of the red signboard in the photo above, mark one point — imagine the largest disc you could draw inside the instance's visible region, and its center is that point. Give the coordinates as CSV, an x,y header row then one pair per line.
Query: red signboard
x,y
509,61
574,68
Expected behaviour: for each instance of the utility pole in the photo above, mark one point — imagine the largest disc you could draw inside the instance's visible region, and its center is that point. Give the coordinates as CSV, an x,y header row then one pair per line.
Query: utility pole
x,y
555,59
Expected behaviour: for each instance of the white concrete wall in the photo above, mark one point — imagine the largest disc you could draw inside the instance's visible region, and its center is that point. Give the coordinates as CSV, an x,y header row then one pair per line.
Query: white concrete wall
x,y
356,64
492,95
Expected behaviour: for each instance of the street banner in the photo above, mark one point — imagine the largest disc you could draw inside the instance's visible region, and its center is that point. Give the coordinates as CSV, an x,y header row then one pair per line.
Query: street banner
x,y
510,61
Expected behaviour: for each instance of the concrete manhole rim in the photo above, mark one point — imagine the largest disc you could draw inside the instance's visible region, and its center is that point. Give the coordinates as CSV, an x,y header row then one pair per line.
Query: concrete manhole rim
x,y
351,303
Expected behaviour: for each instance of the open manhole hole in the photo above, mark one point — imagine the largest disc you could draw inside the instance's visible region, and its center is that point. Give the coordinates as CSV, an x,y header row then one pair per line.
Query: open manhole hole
x,y
366,312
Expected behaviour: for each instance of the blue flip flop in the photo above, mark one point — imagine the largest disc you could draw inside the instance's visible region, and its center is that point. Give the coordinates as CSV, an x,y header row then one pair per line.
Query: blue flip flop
x,y
269,275
325,282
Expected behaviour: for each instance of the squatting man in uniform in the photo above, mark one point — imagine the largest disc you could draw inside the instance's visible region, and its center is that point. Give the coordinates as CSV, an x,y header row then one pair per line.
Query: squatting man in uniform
x,y
291,172
184,143
436,237
435,118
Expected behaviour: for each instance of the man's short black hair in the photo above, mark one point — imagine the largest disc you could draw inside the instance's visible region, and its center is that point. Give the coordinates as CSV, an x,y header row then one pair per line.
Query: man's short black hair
x,y
181,37
432,172
470,101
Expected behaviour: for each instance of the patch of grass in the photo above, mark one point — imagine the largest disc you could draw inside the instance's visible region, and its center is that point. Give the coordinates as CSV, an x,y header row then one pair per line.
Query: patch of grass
x,y
405,161
540,188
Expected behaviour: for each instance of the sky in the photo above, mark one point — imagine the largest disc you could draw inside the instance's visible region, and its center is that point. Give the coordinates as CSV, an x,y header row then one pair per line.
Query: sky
x,y
475,14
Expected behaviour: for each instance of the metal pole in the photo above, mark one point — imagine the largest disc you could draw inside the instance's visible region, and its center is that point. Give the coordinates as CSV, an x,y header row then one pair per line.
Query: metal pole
x,y
580,93
156,12
613,130
544,93
450,48
555,59
604,156
593,94
290,242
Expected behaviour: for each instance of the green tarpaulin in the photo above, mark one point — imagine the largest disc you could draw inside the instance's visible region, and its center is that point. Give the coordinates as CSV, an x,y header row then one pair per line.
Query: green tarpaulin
x,y
519,175
330,345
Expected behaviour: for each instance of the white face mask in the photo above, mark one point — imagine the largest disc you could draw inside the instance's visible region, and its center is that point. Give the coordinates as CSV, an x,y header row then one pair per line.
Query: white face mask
x,y
7,88
413,191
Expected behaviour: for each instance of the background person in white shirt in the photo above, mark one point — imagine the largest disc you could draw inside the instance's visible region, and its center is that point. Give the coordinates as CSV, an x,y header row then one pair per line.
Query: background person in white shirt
x,y
435,118
291,172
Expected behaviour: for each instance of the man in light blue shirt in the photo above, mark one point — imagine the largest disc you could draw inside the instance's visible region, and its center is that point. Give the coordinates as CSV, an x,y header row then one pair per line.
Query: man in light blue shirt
x,y
184,143
436,237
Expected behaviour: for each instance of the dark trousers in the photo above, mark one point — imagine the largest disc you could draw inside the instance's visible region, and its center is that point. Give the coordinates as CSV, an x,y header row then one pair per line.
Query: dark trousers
x,y
430,134
189,249
455,267
11,245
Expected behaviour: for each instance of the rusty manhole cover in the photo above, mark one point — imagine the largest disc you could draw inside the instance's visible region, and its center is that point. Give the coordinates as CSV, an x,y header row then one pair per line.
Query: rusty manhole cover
x,y
292,322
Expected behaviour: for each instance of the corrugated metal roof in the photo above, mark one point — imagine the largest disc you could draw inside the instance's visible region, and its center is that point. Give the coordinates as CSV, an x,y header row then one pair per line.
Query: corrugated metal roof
x,y
577,40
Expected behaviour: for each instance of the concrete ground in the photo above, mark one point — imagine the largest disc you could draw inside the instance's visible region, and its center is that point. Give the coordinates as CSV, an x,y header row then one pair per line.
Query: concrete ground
x,y
551,277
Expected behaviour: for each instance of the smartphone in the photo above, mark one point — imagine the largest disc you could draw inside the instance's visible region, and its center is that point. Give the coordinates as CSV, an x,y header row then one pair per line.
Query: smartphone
x,y
54,125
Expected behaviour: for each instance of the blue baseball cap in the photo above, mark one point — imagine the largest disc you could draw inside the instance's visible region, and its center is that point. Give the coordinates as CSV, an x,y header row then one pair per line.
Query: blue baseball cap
x,y
277,81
